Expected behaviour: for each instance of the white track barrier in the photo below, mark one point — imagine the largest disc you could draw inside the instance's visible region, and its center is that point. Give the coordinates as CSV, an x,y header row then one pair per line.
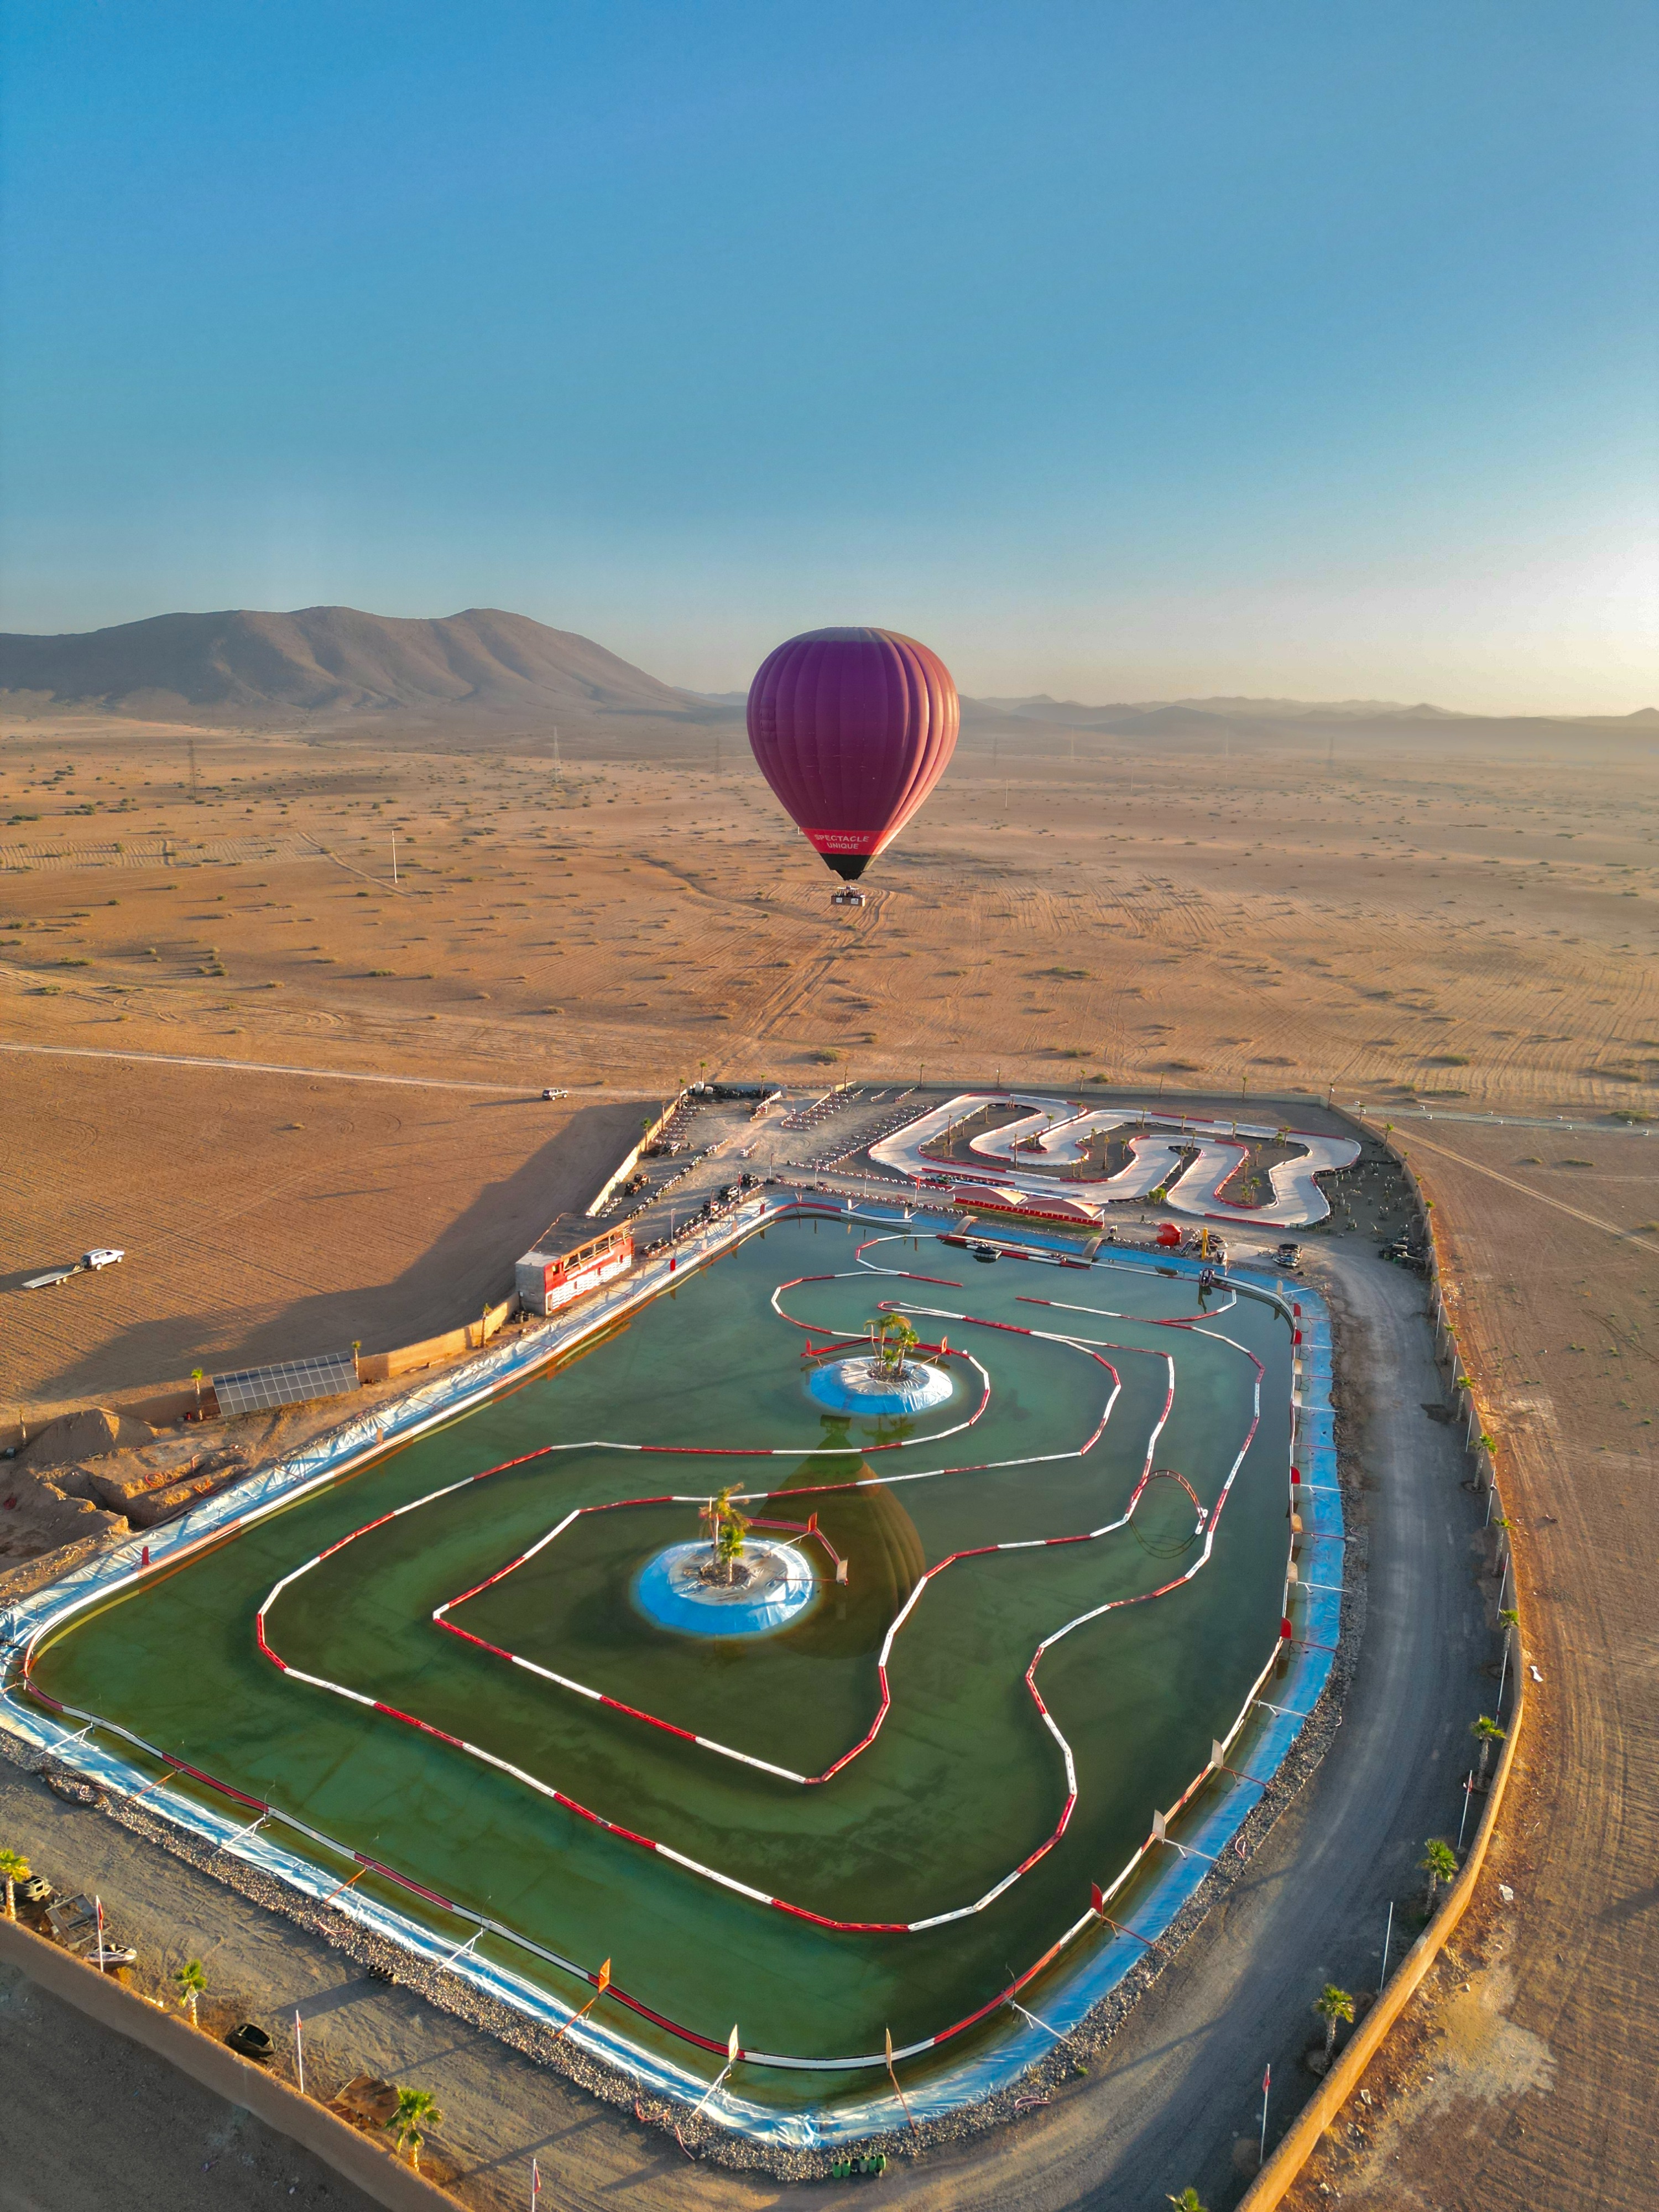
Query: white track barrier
x,y
1062,1138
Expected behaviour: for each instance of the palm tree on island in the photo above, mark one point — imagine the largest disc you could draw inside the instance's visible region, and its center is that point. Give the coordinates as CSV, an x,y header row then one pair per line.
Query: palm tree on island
x,y
891,1341
727,1530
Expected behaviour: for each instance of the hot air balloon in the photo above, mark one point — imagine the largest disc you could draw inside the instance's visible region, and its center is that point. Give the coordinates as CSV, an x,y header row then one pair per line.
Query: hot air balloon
x,y
852,728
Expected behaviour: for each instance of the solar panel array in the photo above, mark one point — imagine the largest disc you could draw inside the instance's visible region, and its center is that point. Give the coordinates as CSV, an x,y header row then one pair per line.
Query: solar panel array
x,y
290,1383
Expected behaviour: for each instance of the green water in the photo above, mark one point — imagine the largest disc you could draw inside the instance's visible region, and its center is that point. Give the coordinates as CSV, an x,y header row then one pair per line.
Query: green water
x,y
962,1783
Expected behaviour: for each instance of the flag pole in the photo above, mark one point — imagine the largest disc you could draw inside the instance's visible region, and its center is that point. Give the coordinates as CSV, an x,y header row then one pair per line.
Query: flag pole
x,y
731,2049
892,2077
601,1984
1266,2084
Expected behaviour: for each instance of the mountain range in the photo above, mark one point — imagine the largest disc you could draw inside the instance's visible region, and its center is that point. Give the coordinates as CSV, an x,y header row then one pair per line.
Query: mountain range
x,y
335,661
338,664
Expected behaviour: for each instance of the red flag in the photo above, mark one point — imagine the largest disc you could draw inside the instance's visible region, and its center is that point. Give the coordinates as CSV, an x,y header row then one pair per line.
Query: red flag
x,y
1266,2081
1097,1896
535,2184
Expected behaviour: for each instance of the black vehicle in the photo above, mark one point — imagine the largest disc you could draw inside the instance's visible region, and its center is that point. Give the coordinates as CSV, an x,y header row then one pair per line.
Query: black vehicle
x,y
1403,1252
987,1253
1289,1256
251,2042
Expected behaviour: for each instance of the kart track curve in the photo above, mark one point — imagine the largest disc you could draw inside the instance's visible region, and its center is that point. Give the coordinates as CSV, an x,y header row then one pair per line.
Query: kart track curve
x,y
1090,1348
1202,1156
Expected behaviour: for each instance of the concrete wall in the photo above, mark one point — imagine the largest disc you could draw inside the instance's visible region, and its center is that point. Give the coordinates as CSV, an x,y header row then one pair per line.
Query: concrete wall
x,y
410,1359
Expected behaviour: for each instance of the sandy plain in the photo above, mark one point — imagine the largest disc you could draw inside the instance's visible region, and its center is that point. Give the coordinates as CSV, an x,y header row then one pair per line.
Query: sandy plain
x,y
1436,926
1470,931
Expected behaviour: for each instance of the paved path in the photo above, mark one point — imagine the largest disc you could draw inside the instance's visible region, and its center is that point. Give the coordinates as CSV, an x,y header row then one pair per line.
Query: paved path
x,y
1181,2087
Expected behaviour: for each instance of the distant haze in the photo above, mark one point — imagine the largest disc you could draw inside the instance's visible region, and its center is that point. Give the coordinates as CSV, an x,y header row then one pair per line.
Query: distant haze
x,y
488,667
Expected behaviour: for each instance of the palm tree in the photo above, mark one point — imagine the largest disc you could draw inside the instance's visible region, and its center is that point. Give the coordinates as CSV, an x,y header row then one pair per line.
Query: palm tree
x,y
892,1338
416,2108
16,1868
1439,1862
193,1982
1486,1733
728,1527
199,1376
1187,2202
1333,2004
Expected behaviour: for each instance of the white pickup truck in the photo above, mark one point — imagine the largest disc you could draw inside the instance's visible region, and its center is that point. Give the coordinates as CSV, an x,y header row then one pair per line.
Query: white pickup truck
x,y
101,1255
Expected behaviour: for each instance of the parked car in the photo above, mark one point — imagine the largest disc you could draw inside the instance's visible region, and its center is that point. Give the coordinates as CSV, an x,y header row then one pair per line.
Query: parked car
x,y
252,2041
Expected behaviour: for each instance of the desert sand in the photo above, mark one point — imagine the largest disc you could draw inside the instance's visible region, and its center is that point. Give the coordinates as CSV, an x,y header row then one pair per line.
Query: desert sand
x,y
1410,922
1473,933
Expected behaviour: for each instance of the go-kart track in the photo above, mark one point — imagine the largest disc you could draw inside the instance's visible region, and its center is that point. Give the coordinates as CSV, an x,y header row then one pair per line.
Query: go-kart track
x,y
1192,1165
1058,1644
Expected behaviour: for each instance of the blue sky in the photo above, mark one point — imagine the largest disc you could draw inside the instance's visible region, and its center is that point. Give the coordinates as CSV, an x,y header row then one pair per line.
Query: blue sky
x,y
1118,351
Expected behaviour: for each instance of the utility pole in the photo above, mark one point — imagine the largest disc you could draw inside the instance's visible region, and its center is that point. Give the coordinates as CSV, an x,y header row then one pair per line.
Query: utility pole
x,y
394,860
194,791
